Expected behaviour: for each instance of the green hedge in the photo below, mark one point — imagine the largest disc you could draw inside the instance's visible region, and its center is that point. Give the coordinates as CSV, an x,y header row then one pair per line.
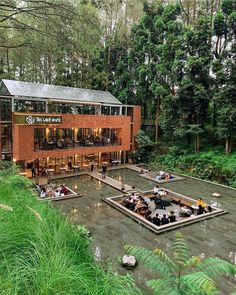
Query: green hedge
x,y
42,253
211,165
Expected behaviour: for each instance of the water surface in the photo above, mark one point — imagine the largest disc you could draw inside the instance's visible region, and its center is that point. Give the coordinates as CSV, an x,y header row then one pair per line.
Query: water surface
x,y
111,230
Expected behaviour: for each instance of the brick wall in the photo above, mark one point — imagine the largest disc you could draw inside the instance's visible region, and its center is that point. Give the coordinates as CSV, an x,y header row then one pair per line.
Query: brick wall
x,y
23,135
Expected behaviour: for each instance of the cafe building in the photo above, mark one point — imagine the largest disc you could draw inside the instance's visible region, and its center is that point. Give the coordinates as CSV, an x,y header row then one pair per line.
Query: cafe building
x,y
64,128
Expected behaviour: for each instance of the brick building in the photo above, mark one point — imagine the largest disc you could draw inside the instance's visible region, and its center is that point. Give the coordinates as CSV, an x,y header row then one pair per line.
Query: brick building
x,y
52,126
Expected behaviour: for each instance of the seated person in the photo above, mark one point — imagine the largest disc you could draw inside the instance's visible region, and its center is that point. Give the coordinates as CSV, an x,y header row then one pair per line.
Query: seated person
x,y
162,175
158,177
148,216
185,212
172,217
38,189
164,220
201,202
200,210
43,193
57,193
139,206
50,193
171,176
156,190
156,220
158,202
64,190
209,208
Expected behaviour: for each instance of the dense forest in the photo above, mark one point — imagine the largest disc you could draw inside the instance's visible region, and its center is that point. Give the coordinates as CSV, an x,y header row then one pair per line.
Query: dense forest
x,y
174,58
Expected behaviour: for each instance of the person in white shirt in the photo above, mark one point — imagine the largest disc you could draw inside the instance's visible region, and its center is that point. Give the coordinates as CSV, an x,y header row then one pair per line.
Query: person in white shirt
x,y
57,193
43,193
156,190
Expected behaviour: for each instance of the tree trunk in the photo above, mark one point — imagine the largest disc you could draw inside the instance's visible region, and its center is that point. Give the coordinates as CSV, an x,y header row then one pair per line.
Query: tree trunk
x,y
197,143
157,129
228,145
108,65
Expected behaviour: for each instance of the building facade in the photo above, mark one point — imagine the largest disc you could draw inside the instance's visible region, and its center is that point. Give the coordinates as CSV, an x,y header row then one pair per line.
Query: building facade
x,y
62,127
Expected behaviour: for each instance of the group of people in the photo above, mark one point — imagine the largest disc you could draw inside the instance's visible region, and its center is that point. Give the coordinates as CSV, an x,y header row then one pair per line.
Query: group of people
x,y
203,207
139,204
164,176
158,220
136,203
50,192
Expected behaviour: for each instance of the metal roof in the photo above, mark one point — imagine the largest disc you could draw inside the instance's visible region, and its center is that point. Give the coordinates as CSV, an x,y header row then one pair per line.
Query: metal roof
x,y
29,89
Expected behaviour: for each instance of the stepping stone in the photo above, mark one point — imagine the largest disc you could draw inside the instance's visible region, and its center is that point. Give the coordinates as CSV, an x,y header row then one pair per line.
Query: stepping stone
x,y
216,195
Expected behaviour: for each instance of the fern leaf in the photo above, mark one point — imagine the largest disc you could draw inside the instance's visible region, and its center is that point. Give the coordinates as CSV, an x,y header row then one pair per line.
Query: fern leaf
x,y
163,286
198,281
194,261
151,260
215,266
180,249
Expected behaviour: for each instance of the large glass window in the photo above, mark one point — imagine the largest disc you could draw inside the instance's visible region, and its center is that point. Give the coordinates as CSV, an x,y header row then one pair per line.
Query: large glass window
x,y
5,106
21,105
115,111
61,138
105,110
62,108
6,137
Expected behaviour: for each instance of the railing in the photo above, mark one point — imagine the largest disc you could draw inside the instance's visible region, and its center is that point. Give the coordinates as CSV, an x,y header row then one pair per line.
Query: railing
x,y
75,144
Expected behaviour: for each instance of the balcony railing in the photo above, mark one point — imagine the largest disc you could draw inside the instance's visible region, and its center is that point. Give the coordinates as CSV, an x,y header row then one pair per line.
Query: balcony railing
x,y
61,144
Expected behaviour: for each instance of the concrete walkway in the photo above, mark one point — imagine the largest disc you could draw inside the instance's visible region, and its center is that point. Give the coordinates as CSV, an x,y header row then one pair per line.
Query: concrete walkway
x,y
112,182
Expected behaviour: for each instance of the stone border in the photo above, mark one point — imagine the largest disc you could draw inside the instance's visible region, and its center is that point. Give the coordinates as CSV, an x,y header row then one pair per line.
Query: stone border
x,y
170,226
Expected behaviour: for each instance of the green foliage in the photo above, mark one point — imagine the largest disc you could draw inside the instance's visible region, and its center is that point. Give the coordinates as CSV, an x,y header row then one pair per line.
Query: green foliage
x,y
41,252
211,165
181,274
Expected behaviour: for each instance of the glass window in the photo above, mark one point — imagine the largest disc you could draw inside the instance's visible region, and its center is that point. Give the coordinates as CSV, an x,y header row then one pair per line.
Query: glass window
x,y
115,111
124,111
6,137
5,106
105,110
21,105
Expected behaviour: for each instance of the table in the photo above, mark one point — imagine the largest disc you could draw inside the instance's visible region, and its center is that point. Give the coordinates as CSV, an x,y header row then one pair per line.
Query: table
x,y
76,167
116,162
50,171
63,170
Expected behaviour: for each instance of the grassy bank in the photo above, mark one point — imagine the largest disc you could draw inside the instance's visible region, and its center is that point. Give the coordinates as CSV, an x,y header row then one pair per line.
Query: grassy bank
x,y
43,253
210,165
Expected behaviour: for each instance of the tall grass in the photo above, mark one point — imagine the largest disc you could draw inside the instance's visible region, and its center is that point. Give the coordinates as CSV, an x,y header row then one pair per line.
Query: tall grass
x,y
42,253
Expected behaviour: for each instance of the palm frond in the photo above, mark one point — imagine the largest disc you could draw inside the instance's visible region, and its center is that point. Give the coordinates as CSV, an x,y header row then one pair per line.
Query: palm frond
x,y
215,266
163,286
198,282
151,260
180,249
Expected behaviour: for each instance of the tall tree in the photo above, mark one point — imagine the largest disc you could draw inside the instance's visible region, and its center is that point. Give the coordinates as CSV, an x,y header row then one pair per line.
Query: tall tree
x,y
225,70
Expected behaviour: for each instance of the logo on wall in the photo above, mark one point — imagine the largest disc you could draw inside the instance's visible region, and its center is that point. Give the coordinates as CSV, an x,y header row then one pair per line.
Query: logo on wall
x,y
30,120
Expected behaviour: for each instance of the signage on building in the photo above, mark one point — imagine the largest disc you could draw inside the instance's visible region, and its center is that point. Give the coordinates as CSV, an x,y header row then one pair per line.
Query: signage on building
x,y
37,119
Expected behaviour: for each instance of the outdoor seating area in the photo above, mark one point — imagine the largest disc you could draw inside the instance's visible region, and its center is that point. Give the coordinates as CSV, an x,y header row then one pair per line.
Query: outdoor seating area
x,y
163,211
53,192
160,176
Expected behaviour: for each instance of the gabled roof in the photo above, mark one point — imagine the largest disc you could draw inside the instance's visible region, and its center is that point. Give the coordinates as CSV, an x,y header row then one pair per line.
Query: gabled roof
x,y
36,90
